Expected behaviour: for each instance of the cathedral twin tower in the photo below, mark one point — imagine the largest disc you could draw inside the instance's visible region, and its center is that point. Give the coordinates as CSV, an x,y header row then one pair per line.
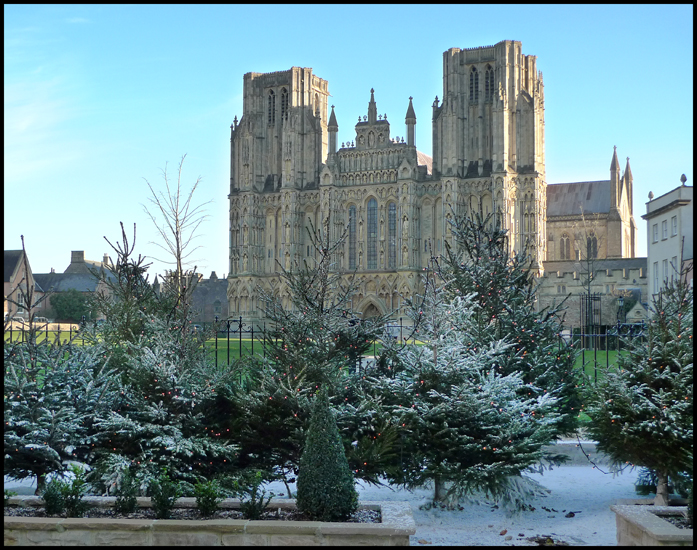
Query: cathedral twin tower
x,y
287,172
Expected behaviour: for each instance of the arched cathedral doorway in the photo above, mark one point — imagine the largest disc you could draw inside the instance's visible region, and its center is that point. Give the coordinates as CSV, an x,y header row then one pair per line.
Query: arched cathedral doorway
x,y
371,311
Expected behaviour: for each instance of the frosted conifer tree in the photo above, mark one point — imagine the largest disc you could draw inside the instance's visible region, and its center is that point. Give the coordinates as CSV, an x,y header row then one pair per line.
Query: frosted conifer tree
x,y
53,395
505,289
468,426
642,408
163,418
312,338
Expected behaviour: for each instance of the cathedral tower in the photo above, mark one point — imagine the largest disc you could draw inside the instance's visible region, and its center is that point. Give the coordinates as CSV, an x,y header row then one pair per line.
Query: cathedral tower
x,y
488,137
281,140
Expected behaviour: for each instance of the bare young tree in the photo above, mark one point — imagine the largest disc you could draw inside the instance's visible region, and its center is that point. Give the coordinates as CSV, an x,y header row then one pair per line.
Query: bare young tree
x,y
24,296
178,227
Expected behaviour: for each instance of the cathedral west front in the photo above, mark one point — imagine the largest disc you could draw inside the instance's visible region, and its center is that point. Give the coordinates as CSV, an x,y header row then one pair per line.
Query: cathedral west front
x,y
394,202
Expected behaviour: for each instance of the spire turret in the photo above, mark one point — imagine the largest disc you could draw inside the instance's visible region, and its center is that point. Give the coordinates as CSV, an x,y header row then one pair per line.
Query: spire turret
x,y
410,121
628,184
372,108
628,172
332,128
615,180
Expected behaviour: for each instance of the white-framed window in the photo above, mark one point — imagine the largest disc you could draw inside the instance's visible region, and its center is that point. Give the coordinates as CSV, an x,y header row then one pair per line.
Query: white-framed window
x,y
674,267
665,270
664,229
655,233
655,277
673,226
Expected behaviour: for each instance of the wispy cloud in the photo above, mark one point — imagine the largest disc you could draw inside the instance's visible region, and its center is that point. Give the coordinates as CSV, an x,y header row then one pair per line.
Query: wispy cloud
x,y
42,99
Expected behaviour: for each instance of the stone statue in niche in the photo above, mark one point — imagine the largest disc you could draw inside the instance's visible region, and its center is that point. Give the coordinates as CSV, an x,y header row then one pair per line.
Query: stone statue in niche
x,y
382,227
405,255
244,263
371,139
245,235
361,140
405,228
287,261
287,233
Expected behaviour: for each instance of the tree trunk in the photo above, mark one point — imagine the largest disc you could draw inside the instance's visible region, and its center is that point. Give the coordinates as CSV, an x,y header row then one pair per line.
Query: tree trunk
x,y
662,495
40,484
439,490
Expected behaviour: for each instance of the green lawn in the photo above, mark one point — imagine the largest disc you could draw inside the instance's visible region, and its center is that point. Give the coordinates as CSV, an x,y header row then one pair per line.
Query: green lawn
x,y
53,336
596,361
256,347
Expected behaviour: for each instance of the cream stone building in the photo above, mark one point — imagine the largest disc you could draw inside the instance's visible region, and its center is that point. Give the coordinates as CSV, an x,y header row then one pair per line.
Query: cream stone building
x,y
288,172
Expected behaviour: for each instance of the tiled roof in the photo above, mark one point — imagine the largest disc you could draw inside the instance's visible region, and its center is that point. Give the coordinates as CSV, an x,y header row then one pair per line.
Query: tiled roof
x,y
60,282
566,199
12,258
424,159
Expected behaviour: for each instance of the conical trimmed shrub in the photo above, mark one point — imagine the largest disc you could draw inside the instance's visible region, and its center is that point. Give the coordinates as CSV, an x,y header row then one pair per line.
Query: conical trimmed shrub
x,y
326,487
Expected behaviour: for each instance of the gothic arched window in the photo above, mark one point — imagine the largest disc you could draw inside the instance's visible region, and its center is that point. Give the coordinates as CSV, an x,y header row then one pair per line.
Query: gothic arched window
x,y
565,247
272,107
591,246
474,84
489,83
284,104
352,237
392,236
372,234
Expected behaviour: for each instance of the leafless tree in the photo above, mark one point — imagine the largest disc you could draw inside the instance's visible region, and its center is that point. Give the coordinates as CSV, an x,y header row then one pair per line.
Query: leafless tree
x,y
178,227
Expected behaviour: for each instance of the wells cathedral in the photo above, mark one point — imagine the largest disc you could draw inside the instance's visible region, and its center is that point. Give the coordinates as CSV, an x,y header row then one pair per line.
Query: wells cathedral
x,y
287,171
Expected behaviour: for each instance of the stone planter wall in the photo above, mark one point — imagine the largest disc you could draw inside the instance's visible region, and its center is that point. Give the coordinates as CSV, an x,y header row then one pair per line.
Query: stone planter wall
x,y
397,524
643,526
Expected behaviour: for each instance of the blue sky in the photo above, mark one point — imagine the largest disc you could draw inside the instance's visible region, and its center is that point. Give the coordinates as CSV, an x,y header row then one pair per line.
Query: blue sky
x,y
100,98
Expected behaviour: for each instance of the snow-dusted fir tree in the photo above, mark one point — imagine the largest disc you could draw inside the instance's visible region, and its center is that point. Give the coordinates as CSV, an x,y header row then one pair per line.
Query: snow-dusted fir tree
x,y
468,427
312,338
53,394
163,418
315,336
642,408
164,415
505,290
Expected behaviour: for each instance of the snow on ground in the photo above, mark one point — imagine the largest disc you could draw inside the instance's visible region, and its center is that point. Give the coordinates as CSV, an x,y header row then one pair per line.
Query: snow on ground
x,y
581,489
